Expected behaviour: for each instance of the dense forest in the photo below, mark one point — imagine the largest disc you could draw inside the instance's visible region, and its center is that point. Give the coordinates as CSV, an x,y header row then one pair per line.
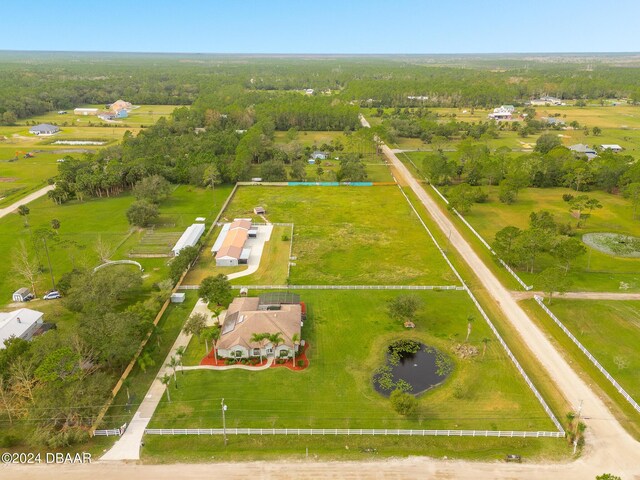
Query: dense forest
x,y
34,84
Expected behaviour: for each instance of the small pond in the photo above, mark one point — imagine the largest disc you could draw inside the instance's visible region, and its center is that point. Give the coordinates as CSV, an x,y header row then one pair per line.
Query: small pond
x,y
614,244
422,370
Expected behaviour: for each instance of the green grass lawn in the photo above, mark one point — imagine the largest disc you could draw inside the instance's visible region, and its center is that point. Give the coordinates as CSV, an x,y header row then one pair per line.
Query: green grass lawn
x,y
349,235
610,330
595,270
82,223
347,333
310,138
22,176
192,448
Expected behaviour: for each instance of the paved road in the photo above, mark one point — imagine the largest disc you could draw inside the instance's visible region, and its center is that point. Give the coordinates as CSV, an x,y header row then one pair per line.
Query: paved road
x,y
23,201
519,295
609,445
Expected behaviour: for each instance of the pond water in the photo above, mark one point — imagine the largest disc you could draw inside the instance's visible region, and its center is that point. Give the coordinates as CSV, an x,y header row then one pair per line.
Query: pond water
x,y
420,370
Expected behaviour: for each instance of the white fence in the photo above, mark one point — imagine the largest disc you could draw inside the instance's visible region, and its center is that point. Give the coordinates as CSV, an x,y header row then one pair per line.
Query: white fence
x,y
526,378
114,432
352,431
591,358
484,242
337,287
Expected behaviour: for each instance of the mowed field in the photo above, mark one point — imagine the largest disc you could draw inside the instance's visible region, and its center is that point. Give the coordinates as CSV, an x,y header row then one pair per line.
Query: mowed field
x,y
20,176
593,271
349,235
347,334
610,330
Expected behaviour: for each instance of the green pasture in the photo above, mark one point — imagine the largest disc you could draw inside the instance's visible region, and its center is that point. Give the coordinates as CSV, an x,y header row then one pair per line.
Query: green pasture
x,y
349,235
347,334
595,270
610,330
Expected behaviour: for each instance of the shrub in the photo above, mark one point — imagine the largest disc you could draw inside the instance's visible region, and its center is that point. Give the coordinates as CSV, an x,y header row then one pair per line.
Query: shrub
x,y
403,403
8,441
300,363
285,237
567,197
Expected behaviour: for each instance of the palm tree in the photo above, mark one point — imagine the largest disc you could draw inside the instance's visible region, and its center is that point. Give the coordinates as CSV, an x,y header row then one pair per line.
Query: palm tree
x,y
296,342
180,351
165,381
215,313
275,339
173,364
214,336
259,338
24,211
470,320
485,340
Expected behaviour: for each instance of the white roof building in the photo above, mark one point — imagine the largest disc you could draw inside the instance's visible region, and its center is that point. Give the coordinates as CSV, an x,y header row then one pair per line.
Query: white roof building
x,y
20,323
613,147
85,111
189,238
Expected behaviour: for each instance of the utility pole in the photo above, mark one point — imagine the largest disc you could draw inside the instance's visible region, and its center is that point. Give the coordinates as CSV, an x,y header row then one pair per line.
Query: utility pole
x,y
224,423
46,249
575,439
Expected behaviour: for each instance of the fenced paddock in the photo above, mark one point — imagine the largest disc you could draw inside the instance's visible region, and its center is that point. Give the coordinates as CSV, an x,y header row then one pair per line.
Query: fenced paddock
x,y
155,243
591,358
354,432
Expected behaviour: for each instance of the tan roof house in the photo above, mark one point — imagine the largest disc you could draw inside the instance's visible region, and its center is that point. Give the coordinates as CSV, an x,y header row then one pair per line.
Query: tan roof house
x,y
245,318
120,105
232,251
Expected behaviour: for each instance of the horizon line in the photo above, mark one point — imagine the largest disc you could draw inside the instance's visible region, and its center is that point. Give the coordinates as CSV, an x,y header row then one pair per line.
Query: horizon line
x,y
370,54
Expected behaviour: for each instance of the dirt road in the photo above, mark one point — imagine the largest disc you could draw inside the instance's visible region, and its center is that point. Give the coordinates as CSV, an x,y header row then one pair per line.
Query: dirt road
x,y
23,201
519,295
609,444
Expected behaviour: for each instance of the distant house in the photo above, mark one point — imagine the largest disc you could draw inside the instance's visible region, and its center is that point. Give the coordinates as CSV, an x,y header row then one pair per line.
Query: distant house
x,y
247,316
613,147
22,295
122,113
62,112
553,121
546,101
318,155
44,129
229,247
119,105
22,323
189,238
259,210
308,91
504,112
85,111
582,149
108,116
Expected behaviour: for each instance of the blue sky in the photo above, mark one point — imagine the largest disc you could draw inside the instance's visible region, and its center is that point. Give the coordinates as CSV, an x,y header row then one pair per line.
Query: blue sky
x,y
330,26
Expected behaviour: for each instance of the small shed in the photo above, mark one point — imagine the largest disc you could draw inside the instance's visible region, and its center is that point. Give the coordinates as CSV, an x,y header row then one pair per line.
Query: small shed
x,y
200,219
244,291
22,295
259,210
177,297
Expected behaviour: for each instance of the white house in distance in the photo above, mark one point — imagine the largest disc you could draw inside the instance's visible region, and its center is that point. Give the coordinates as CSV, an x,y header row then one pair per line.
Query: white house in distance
x,y
504,112
85,111
21,323
317,155
249,315
44,129
582,149
613,147
546,101
229,247
189,238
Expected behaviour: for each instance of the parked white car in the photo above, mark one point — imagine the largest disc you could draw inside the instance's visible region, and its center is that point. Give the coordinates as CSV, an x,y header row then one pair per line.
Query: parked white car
x,y
52,295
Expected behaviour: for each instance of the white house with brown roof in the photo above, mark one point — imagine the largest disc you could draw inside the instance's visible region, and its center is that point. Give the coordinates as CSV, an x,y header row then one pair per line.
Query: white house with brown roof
x,y
229,247
245,318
